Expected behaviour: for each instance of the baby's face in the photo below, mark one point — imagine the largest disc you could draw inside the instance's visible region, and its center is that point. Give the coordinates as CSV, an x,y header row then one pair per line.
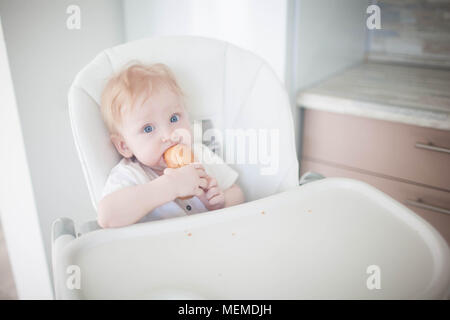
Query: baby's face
x,y
155,125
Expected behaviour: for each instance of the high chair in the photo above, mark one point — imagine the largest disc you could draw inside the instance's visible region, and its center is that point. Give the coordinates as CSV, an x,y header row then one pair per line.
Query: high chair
x,y
331,238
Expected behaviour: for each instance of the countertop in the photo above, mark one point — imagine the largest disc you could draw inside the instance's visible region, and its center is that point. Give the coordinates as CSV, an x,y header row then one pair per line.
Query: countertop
x,y
393,92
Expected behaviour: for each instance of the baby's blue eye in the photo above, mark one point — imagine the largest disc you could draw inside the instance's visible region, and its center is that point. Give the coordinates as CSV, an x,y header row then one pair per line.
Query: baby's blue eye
x,y
148,129
174,118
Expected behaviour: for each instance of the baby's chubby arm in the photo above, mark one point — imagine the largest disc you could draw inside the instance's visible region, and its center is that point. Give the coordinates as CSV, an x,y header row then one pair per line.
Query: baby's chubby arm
x,y
128,205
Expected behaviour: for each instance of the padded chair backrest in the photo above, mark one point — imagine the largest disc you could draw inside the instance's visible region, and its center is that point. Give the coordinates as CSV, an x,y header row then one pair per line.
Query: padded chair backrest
x,y
229,86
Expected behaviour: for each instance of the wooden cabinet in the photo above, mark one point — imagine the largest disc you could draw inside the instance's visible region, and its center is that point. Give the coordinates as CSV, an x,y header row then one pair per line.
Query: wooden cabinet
x,y
396,158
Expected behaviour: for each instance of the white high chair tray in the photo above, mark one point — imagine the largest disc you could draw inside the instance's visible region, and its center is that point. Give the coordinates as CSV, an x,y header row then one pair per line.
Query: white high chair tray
x,y
316,241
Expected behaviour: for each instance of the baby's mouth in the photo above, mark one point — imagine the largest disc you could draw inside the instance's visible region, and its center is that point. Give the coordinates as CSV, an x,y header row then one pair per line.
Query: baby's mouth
x,y
173,144
163,161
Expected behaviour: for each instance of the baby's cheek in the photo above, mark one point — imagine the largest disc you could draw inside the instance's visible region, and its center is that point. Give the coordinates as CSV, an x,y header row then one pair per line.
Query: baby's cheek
x,y
149,158
155,158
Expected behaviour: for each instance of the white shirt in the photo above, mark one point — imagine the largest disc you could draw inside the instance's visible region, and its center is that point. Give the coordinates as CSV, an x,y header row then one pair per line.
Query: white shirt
x,y
130,172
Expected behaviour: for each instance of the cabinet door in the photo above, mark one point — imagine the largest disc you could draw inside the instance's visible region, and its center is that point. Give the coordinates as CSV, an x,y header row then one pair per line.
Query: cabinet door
x,y
378,146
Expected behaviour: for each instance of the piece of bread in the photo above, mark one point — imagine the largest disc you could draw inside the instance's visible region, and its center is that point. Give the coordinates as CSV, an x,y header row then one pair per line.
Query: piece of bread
x,y
177,156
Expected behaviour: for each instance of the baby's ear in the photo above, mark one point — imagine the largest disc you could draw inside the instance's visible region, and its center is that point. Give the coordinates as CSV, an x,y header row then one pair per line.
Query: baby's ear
x,y
121,145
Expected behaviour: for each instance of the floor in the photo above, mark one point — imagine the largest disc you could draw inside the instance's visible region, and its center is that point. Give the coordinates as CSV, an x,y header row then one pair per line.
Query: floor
x,y
7,286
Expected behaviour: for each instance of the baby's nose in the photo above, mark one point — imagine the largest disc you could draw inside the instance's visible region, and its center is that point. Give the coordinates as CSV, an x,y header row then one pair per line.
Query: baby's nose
x,y
166,136
170,136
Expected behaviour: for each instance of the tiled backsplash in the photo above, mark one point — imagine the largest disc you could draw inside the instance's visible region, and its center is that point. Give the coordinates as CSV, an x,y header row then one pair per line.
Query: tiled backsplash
x,y
415,31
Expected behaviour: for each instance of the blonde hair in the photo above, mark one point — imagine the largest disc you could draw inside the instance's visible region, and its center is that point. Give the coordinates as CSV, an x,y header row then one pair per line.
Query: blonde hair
x,y
125,87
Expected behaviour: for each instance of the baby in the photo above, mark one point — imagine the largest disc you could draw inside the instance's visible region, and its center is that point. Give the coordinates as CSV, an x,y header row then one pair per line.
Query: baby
x,y
143,108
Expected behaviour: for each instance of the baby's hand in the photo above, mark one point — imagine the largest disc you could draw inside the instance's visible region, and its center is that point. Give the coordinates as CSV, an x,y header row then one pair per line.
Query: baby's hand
x,y
212,197
188,180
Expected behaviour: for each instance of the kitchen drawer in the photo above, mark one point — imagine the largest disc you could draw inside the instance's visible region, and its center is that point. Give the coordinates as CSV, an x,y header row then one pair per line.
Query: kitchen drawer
x,y
378,146
401,191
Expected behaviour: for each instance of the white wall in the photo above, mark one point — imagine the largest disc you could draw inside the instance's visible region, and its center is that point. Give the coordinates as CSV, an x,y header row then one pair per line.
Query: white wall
x,y
330,37
44,57
256,25
17,204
